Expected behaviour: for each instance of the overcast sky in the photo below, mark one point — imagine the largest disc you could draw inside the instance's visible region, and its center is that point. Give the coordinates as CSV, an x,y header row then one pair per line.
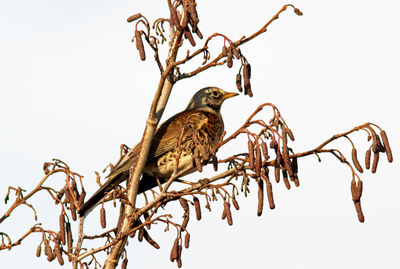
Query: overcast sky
x,y
73,87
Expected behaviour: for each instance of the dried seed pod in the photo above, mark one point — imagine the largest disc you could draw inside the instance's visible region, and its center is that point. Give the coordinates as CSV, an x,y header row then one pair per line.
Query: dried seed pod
x,y
39,250
246,78
134,17
260,197
229,57
187,240
185,221
197,208
258,161
251,154
228,213
62,228
184,204
264,150
368,159
355,160
69,237
139,45
141,234
81,199
375,162
174,251
385,141
239,82
124,264
150,240
103,218
235,203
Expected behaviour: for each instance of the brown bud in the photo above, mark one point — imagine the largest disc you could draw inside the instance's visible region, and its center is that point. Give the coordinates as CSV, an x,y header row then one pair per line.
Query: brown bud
x,y
139,45
228,213
184,204
46,168
197,208
239,82
385,141
368,159
251,154
62,228
235,203
298,12
187,240
103,218
375,162
174,251
39,250
229,57
264,150
124,263
134,17
258,161
260,197
355,160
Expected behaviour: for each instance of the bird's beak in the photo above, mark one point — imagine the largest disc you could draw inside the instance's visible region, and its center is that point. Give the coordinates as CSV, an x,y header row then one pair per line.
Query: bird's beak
x,y
229,95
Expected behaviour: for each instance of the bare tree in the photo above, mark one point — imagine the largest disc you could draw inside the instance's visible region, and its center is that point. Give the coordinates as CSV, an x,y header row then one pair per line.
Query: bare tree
x,y
269,159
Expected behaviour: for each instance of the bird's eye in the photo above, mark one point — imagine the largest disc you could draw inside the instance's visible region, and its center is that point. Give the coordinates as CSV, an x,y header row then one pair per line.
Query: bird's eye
x,y
214,94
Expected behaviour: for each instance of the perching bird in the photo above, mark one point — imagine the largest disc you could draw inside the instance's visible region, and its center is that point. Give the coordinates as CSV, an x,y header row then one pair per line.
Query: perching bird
x,y
198,129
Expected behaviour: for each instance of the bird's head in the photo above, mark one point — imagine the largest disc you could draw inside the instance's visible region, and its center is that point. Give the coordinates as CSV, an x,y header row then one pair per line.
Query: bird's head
x,y
210,98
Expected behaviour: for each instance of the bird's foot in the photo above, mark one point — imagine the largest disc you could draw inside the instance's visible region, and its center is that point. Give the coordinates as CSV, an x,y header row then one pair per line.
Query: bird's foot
x,y
204,181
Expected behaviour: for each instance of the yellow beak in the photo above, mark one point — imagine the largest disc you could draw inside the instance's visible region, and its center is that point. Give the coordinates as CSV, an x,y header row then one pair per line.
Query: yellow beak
x,y
229,95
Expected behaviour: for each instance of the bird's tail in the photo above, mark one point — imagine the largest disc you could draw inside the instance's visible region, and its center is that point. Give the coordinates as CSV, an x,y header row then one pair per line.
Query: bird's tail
x,y
146,183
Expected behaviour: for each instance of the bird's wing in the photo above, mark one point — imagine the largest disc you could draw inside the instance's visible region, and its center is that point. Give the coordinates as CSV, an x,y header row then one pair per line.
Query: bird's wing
x,y
129,159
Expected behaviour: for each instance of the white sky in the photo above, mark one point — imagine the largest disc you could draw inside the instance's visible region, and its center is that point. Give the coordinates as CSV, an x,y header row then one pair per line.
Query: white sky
x,y
73,87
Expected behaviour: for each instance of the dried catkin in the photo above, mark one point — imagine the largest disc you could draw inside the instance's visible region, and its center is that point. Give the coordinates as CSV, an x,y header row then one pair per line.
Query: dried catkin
x,y
134,17
197,207
103,218
239,82
258,161
229,57
355,160
228,213
139,45
174,251
251,154
184,204
260,197
368,159
385,141
375,162
187,240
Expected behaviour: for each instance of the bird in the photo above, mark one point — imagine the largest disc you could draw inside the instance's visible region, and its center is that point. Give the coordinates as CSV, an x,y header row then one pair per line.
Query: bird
x,y
192,134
